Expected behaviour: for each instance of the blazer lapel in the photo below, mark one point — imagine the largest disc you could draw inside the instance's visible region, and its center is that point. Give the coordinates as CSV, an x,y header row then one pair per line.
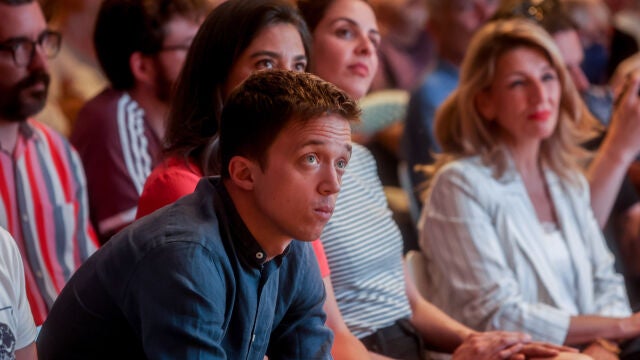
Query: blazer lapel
x,y
528,231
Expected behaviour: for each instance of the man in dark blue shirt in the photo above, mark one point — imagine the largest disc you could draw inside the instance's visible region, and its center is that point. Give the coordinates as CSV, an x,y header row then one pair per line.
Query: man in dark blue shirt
x,y
216,275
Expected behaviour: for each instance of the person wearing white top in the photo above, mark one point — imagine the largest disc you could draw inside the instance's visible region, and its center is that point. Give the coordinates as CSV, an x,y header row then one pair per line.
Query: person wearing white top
x,y
511,136
17,328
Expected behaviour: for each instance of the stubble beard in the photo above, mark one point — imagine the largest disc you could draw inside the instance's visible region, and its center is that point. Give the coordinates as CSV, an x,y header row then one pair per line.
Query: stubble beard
x,y
20,102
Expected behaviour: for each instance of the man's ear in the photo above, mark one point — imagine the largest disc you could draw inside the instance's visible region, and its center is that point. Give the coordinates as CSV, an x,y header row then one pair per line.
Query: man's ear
x,y
142,67
484,105
242,172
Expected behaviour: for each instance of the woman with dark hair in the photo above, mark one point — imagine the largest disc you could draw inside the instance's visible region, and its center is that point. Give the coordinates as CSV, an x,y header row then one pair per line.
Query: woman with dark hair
x,y
237,38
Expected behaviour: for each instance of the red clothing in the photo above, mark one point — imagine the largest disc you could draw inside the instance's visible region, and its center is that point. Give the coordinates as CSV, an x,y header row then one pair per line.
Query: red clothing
x,y
43,205
118,150
168,182
318,249
175,178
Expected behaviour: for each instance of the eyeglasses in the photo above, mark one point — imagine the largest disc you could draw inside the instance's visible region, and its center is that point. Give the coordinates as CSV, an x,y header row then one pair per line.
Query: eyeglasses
x,y
24,49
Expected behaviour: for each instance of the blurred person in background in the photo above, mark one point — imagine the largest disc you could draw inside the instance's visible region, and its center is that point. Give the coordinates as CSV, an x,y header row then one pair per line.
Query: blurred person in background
x,y
141,46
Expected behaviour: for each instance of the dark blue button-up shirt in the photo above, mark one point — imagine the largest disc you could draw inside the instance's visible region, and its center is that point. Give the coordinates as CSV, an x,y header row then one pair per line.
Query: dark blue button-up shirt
x,y
190,282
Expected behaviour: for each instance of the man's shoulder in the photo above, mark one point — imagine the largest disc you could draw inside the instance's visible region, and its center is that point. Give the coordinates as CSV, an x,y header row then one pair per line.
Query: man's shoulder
x,y
99,116
191,219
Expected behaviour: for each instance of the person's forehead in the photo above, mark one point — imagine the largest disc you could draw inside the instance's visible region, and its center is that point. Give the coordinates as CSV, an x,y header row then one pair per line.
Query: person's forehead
x,y
298,133
24,20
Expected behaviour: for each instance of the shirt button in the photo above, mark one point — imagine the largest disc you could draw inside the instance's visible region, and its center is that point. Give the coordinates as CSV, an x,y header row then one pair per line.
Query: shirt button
x,y
259,255
38,274
25,218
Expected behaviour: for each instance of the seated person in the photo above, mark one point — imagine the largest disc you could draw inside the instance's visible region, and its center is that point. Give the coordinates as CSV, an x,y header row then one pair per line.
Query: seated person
x,y
451,29
17,329
119,132
507,225
242,36
274,36
216,274
42,185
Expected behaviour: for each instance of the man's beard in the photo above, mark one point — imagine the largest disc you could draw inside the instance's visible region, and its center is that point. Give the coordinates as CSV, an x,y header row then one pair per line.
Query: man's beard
x,y
20,102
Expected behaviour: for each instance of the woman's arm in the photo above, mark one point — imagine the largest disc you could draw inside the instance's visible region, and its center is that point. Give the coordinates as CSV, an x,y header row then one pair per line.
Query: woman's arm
x,y
439,331
618,150
345,345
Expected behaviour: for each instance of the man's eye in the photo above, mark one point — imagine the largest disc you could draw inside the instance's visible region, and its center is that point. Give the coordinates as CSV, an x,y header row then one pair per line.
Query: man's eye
x,y
311,159
341,164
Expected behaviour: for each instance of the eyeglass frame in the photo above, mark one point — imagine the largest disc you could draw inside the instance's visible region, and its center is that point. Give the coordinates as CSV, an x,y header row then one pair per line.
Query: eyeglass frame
x,y
12,45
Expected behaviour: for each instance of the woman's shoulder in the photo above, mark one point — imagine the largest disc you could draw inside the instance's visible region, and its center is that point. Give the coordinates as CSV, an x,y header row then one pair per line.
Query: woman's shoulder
x,y
466,167
174,168
469,176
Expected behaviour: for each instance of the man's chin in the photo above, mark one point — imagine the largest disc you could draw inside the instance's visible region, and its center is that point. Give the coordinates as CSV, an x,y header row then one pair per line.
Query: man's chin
x,y
23,112
310,235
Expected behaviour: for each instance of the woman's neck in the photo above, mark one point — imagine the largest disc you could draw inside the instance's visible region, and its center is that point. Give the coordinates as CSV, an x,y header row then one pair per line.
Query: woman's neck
x,y
526,156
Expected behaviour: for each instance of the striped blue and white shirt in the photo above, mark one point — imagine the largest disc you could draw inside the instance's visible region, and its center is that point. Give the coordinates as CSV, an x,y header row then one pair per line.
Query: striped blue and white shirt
x,y
364,248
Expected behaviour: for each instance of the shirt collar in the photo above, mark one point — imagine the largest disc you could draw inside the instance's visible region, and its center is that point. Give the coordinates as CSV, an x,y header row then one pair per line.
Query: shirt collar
x,y
246,245
26,130
26,133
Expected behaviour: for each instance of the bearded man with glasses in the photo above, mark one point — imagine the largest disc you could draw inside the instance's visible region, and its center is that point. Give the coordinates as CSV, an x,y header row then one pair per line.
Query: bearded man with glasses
x,y
43,202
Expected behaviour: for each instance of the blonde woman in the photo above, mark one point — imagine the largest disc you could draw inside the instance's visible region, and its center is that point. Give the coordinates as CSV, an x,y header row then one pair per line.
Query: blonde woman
x,y
507,226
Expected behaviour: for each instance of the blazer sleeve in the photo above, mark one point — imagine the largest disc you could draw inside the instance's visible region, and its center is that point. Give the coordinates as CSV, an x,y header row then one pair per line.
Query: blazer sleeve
x,y
478,285
610,296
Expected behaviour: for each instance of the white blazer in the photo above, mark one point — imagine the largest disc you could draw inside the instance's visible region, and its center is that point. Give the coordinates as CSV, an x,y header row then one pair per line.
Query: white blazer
x,y
486,266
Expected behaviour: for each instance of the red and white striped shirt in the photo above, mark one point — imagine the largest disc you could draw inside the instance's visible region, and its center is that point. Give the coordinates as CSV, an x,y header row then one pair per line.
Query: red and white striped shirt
x,y
43,204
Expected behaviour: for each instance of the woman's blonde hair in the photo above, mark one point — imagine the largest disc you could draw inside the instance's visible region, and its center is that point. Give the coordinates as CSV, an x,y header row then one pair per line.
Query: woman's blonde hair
x,y
462,131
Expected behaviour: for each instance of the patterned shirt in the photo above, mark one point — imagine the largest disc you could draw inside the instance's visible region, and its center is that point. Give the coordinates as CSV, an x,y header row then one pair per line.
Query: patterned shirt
x,y
44,207
17,329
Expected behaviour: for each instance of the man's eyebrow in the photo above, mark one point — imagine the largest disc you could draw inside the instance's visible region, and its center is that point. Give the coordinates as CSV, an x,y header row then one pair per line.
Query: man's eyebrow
x,y
347,146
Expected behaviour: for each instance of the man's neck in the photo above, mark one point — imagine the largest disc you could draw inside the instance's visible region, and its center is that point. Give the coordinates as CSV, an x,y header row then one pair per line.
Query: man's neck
x,y
155,111
259,226
9,135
